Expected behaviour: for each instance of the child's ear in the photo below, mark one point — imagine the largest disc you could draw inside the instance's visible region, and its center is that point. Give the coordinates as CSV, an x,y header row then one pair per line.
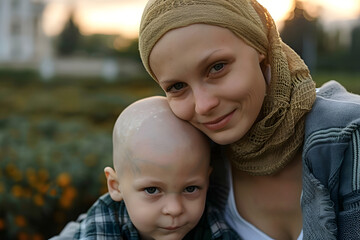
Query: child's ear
x,y
113,184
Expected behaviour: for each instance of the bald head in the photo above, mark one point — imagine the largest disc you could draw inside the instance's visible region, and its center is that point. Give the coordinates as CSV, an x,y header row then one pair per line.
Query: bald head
x,y
150,126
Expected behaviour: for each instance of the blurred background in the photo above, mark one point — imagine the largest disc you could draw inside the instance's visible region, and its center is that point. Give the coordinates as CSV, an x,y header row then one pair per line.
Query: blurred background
x,y
69,67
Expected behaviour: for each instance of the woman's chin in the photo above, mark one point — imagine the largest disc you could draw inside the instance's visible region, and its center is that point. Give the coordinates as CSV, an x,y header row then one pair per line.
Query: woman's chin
x,y
224,139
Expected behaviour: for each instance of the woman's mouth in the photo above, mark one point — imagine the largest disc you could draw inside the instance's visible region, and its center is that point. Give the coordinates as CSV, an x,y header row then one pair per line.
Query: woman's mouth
x,y
220,122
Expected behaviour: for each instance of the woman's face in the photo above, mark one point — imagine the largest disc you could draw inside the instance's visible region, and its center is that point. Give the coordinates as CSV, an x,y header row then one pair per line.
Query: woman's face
x,y
212,79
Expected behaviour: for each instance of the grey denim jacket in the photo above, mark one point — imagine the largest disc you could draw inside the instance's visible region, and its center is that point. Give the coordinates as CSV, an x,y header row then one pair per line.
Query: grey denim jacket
x,y
331,166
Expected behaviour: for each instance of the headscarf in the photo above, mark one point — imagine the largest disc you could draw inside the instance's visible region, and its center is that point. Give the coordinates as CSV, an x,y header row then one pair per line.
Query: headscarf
x,y
278,134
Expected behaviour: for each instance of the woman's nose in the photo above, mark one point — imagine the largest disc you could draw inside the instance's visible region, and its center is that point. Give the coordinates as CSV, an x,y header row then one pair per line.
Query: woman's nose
x,y
205,100
173,206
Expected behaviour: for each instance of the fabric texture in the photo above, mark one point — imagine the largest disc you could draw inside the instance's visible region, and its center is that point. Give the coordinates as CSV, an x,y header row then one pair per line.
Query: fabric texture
x,y
331,180
109,220
278,134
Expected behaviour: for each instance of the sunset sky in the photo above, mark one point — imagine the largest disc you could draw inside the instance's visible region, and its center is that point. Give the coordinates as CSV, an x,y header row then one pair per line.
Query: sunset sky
x,y
123,16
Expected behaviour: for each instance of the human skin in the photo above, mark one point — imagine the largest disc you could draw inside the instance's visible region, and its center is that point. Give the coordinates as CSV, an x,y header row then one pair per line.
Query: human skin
x,y
215,81
164,184
211,78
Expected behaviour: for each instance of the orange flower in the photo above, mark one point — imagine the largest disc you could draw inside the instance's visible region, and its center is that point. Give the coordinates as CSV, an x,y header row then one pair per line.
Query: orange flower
x,y
38,200
2,224
20,221
31,176
52,192
16,190
23,236
43,187
68,196
2,187
63,180
43,175
37,237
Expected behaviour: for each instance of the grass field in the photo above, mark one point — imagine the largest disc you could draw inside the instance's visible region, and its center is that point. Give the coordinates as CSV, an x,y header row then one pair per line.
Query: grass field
x,y
351,81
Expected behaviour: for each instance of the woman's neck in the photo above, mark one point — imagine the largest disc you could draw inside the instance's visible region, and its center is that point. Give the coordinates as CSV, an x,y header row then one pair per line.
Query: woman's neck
x,y
271,203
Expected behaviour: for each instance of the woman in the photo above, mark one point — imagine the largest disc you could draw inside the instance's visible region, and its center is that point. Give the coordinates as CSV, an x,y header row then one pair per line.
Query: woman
x,y
225,69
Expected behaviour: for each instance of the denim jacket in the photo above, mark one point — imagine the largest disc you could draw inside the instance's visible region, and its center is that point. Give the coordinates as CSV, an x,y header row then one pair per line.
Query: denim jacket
x,y
331,166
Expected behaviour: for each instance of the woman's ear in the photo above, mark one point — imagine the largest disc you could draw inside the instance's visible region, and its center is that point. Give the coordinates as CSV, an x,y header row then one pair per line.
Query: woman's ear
x,y
265,68
262,57
113,184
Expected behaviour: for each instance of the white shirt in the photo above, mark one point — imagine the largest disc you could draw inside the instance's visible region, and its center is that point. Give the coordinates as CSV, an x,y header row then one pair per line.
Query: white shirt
x,y
243,228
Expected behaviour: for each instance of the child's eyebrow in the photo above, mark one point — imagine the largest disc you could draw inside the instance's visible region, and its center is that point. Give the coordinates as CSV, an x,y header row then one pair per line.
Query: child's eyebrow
x,y
146,181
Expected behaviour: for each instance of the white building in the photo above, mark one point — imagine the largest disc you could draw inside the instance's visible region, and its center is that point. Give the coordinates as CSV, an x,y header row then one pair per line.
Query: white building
x,y
24,45
22,40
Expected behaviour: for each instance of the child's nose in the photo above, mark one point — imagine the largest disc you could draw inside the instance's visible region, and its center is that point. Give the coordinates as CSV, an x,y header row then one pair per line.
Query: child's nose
x,y
173,206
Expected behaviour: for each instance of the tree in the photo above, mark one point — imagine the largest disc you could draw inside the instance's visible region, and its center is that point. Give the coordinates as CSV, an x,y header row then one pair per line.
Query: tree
x,y
300,33
69,38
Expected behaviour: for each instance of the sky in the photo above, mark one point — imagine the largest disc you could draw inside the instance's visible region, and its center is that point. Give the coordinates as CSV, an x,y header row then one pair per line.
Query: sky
x,y
123,16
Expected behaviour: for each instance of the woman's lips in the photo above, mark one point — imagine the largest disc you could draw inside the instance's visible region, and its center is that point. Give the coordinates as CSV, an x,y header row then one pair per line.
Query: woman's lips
x,y
220,122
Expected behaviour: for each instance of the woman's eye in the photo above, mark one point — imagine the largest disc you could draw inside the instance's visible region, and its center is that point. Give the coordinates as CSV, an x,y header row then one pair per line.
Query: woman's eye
x,y
217,67
151,190
176,87
191,189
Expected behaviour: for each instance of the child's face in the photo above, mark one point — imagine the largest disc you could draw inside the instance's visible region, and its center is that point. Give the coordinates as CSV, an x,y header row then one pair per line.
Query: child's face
x,y
165,193
212,79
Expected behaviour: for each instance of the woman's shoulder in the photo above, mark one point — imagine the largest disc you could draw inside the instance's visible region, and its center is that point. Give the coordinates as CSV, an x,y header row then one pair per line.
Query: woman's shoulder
x,y
334,107
332,132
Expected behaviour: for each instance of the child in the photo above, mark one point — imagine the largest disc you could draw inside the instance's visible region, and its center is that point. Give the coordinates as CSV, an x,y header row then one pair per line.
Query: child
x,y
157,189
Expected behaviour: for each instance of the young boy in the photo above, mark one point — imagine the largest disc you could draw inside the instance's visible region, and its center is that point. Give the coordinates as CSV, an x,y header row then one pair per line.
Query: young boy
x,y
157,189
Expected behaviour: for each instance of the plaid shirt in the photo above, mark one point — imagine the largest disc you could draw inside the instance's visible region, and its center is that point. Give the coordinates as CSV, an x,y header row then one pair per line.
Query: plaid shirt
x,y
108,219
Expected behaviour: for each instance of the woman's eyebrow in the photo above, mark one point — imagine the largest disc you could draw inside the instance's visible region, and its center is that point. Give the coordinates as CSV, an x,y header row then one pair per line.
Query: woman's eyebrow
x,y
203,61
208,56
168,81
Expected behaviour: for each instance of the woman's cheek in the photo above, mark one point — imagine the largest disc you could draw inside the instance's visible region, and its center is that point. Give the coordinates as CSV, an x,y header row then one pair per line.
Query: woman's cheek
x,y
181,108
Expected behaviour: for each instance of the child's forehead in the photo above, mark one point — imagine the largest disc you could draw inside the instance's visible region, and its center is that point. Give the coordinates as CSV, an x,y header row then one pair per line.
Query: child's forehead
x,y
158,161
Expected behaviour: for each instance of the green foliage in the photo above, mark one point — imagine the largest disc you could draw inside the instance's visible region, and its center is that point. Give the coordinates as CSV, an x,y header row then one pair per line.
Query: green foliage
x,y
350,80
97,45
132,51
55,140
50,171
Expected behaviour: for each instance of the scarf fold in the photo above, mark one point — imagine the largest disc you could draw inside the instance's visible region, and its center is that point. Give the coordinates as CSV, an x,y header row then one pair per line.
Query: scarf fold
x,y
278,134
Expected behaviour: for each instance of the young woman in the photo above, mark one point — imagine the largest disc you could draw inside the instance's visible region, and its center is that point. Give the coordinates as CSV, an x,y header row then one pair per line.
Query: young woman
x,y
290,155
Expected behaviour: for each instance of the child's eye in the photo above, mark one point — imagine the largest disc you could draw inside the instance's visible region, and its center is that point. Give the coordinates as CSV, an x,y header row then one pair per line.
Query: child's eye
x,y
191,189
151,190
176,87
217,67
